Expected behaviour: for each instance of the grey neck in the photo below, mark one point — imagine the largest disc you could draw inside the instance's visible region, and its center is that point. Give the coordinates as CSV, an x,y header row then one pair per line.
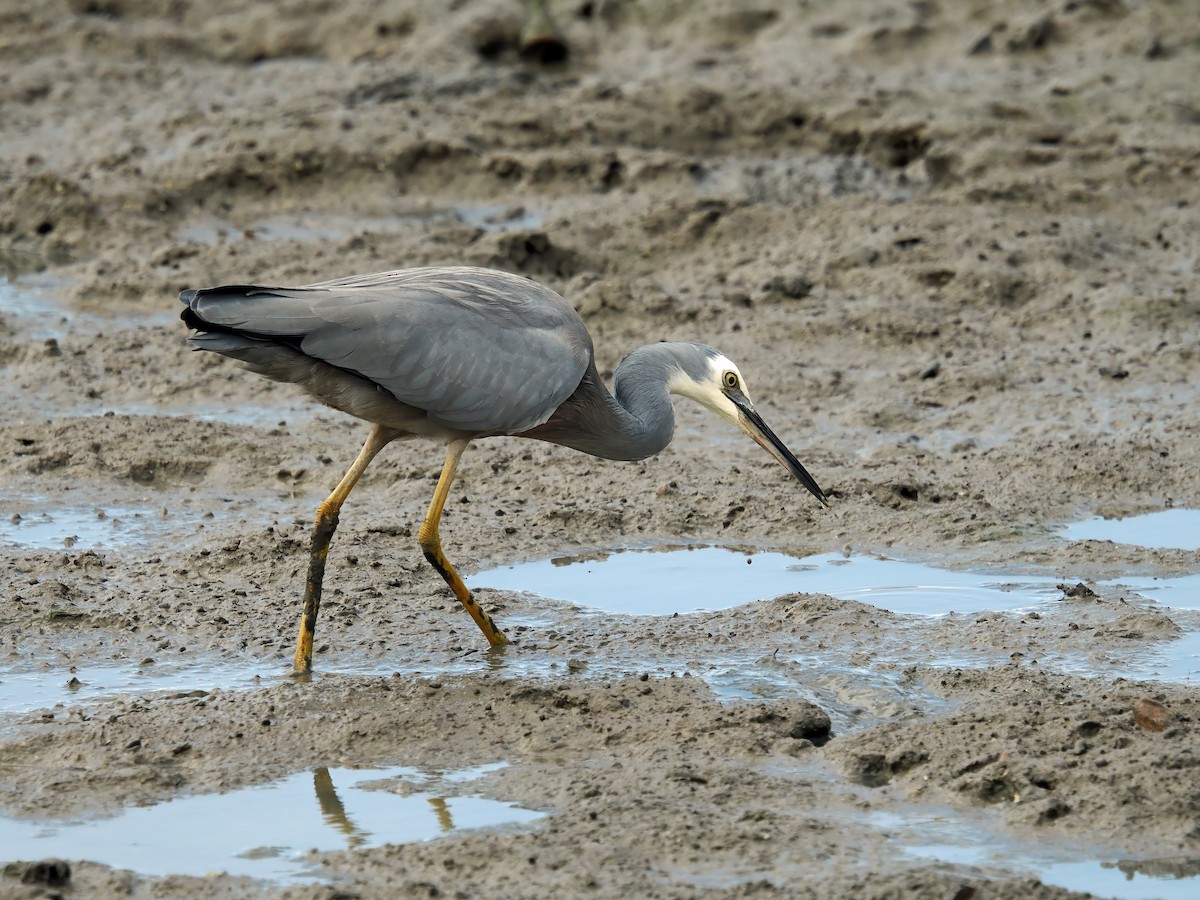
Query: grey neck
x,y
636,420
646,421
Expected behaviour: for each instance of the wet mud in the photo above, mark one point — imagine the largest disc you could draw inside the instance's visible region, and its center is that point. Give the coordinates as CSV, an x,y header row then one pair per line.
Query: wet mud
x,y
952,248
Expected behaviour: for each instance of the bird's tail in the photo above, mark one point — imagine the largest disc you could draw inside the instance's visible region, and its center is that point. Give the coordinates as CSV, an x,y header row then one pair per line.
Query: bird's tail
x,y
269,355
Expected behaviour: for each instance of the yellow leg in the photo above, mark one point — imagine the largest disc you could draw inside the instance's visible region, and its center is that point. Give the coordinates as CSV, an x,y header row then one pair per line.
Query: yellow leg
x,y
327,521
431,544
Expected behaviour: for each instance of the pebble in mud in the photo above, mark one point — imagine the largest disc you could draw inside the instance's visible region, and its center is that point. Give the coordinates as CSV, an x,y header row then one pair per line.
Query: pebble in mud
x,y
48,872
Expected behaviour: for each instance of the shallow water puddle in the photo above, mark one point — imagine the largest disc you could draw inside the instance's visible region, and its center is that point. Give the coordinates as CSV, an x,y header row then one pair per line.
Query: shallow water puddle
x,y
86,527
32,300
1182,592
700,579
1151,879
1175,660
491,217
33,305
852,697
1168,529
266,831
277,414
959,838
694,579
25,690
128,519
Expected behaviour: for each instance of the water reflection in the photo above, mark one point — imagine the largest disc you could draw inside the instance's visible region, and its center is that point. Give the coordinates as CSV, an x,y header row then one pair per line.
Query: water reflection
x,y
267,831
333,811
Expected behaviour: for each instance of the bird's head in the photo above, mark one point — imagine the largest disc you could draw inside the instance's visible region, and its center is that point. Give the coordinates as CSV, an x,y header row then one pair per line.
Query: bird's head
x,y
712,379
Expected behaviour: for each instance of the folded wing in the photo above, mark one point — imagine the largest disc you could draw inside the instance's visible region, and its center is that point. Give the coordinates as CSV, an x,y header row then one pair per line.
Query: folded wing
x,y
478,350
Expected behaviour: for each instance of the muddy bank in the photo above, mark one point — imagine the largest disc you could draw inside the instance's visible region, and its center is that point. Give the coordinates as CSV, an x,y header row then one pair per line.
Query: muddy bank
x,y
952,249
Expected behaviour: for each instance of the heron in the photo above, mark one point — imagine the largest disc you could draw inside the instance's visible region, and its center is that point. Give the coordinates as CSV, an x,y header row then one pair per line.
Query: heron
x,y
455,354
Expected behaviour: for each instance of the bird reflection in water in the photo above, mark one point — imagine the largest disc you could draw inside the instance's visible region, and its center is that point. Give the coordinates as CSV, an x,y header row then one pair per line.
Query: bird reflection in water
x,y
333,811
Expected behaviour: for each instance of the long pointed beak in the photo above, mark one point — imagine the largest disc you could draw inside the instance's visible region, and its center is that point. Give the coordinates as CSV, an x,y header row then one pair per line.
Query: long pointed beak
x,y
751,422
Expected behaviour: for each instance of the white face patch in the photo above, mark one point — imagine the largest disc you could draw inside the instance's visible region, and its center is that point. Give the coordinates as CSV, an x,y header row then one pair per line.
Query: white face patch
x,y
711,391
719,365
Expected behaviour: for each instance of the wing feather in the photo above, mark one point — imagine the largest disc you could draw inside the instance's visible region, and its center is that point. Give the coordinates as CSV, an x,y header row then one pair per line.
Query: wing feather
x,y
478,350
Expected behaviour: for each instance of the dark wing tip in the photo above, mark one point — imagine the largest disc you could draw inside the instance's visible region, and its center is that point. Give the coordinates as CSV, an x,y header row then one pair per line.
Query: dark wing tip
x,y
187,298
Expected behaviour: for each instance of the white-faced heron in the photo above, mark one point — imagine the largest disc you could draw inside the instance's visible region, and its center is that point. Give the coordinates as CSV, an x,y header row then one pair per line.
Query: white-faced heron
x,y
456,354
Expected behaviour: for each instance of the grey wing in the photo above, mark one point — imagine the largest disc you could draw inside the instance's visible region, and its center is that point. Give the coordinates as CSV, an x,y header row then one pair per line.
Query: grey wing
x,y
478,350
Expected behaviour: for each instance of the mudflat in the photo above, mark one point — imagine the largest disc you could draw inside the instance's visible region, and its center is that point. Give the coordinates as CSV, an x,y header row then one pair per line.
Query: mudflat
x,y
953,248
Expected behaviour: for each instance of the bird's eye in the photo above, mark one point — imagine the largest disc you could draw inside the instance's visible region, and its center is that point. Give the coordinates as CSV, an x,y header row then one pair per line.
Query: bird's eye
x,y
730,379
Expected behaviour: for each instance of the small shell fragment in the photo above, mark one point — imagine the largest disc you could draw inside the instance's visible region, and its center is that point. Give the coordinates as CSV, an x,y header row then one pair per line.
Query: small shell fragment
x,y
1151,715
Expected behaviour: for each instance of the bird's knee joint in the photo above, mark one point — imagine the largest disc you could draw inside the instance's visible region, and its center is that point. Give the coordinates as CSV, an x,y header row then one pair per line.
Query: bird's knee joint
x,y
428,539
